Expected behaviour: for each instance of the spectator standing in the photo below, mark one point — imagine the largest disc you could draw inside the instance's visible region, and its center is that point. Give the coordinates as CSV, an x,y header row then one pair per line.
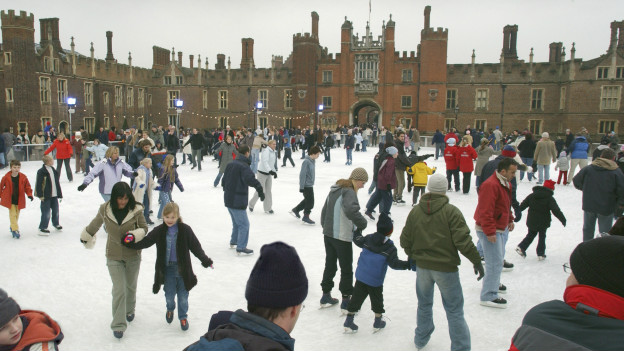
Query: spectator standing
x,y
526,149
578,151
545,154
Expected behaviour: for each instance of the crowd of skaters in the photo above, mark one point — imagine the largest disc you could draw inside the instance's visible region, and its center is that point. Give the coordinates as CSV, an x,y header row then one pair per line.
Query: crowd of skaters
x,y
342,224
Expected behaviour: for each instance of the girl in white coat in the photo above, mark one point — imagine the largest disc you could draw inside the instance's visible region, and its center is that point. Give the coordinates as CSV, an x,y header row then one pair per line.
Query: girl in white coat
x,y
143,187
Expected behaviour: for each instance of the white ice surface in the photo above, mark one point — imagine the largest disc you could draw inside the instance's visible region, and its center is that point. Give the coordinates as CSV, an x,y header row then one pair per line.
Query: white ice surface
x,y
58,275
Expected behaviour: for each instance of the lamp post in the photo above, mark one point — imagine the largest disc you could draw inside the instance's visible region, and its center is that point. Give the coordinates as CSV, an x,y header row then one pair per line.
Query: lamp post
x,y
456,111
71,103
178,104
258,111
319,113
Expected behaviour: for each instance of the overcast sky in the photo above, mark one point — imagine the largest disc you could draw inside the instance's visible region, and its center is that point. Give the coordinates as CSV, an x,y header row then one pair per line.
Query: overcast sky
x,y
210,27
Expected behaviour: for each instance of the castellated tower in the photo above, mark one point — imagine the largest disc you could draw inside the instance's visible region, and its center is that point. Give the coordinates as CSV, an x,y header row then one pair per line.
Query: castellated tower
x,y
305,56
433,54
18,42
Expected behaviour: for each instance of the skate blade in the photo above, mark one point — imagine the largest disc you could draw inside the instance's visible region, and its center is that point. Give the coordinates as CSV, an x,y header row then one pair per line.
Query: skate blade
x,y
349,331
377,330
326,305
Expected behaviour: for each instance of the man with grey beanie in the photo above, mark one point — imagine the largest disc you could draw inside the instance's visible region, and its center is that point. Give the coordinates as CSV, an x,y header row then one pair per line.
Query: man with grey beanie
x,y
434,231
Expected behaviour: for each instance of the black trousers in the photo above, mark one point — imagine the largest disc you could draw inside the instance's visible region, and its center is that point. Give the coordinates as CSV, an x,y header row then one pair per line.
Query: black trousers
x,y
466,182
288,156
327,154
59,164
455,175
360,292
417,191
541,241
341,251
307,204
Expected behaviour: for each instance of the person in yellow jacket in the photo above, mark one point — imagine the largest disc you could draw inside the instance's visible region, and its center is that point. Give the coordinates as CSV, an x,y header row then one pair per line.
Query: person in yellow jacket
x,y
419,172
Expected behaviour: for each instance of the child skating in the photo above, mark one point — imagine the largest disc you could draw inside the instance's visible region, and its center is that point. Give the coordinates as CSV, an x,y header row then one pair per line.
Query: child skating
x,y
174,242
48,189
14,188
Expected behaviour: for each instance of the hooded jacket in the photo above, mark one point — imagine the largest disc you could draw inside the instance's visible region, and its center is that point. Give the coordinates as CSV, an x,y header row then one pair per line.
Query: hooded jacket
x,y
420,172
493,212
307,174
341,214
587,319
386,176
450,157
236,181
434,231
465,157
563,162
579,148
483,156
378,252
602,184
40,332
541,203
6,190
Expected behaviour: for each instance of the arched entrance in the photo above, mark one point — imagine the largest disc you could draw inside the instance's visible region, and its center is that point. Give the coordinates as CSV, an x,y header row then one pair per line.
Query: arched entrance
x,y
365,111
63,127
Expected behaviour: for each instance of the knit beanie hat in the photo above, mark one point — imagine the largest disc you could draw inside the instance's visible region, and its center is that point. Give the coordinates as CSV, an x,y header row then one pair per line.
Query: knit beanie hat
x,y
359,174
545,135
550,184
384,225
509,151
451,141
8,308
278,279
600,263
392,150
437,184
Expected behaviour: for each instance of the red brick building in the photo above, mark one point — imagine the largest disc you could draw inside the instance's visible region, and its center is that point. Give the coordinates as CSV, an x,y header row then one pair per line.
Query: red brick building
x,y
366,82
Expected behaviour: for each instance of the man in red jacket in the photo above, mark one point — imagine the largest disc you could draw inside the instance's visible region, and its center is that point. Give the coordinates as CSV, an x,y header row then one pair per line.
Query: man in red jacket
x,y
493,222
591,315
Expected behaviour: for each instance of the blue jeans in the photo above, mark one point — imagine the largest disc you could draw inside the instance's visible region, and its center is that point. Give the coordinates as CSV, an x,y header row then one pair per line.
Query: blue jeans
x,y
364,144
240,228
46,206
543,172
216,182
146,206
453,302
529,162
349,155
439,150
255,158
372,187
174,285
505,238
165,198
383,198
589,224
494,254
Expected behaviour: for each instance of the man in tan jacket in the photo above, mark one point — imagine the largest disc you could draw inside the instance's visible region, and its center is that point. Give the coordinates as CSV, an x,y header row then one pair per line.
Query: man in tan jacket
x,y
545,154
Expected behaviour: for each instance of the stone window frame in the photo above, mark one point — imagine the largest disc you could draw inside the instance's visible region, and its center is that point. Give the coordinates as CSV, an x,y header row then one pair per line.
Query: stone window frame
x,y
535,126
406,101
89,124
223,122
223,99
265,100
172,119
610,96
328,102
288,94
172,96
603,123
44,121
451,101
480,123
536,102
602,72
327,76
141,122
106,122
8,93
619,72
562,97
141,97
482,103
8,58
44,89
407,75
366,68
167,80
61,91
105,98
179,80
205,99
130,97
24,128
406,122
449,123
118,96
88,93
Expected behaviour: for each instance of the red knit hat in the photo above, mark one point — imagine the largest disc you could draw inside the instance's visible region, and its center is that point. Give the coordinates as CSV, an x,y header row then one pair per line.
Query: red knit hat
x,y
549,184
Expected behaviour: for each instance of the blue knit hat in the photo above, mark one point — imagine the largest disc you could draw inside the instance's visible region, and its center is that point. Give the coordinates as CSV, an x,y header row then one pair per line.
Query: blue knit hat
x,y
278,279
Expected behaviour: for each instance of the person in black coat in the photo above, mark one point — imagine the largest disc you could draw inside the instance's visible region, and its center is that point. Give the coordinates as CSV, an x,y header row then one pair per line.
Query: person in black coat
x,y
48,189
540,204
197,143
174,242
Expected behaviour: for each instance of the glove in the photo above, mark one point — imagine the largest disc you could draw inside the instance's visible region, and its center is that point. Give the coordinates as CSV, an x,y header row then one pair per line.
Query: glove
x,y
564,223
412,265
208,263
517,215
31,198
357,232
82,187
434,169
141,186
478,269
389,187
301,191
128,238
274,174
135,174
261,195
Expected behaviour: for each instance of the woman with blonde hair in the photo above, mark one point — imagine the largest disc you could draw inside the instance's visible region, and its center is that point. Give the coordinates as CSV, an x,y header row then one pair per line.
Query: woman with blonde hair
x,y
109,171
166,178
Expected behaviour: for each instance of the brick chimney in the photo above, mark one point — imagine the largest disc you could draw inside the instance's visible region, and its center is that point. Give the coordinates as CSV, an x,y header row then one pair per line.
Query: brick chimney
x,y
109,47
180,58
247,60
427,17
315,21
220,61
49,28
191,60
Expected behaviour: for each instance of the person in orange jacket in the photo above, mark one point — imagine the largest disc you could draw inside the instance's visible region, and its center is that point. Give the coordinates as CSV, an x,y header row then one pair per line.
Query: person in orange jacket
x,y
26,330
14,188
64,152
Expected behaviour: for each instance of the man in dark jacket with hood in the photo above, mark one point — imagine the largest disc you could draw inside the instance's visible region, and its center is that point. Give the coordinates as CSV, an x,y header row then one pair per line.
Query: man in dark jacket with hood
x,y
434,232
237,178
276,289
602,184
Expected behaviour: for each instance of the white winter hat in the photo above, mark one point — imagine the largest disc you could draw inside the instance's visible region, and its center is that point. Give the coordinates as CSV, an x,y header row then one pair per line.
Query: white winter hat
x,y
545,135
451,141
437,184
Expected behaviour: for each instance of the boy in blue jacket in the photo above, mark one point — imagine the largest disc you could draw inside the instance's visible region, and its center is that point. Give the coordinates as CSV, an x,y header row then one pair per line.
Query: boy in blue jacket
x,y
378,252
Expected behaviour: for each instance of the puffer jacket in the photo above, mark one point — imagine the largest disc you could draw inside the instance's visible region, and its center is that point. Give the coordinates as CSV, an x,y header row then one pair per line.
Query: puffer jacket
x,y
563,162
420,172
540,204
378,252
579,148
341,214
63,148
134,223
434,231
